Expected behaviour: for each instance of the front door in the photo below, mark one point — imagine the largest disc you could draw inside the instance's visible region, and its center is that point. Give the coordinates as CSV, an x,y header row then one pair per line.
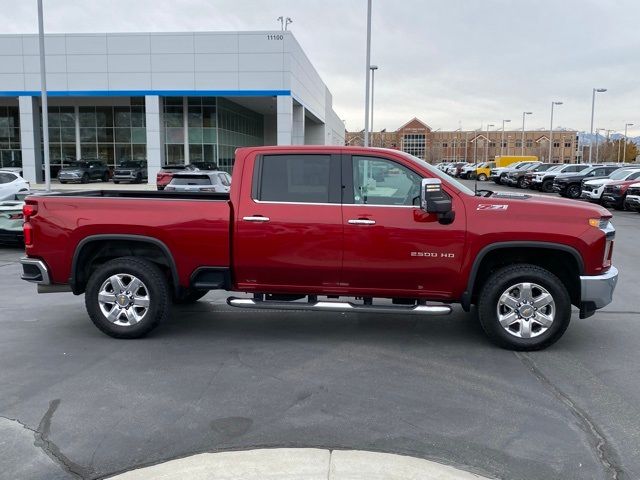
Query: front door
x,y
289,233
391,246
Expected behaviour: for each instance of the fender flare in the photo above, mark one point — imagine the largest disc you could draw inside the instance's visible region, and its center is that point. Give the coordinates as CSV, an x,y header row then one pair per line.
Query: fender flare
x,y
135,238
467,294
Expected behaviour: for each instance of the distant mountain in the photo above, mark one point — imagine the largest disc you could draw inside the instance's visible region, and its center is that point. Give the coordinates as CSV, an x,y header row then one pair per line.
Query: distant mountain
x,y
586,137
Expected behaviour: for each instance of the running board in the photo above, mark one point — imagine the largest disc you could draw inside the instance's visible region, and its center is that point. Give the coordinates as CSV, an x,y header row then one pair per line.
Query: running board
x,y
338,307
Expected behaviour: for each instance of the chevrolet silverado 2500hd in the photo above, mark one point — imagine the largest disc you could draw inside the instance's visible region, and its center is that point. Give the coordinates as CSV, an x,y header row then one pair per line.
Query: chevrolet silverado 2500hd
x,y
304,226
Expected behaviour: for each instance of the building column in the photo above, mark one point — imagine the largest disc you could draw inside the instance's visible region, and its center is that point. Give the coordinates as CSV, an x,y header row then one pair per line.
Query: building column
x,y
29,108
185,127
155,147
284,119
76,114
297,128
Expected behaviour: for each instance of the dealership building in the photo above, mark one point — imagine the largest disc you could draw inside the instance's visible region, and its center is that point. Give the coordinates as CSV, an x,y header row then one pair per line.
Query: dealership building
x,y
168,98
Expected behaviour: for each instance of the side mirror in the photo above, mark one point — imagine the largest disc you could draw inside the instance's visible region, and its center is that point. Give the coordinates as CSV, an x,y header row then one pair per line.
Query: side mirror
x,y
434,200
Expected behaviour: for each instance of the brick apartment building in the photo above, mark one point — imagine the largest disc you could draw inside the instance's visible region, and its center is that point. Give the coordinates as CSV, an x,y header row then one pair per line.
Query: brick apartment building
x,y
419,139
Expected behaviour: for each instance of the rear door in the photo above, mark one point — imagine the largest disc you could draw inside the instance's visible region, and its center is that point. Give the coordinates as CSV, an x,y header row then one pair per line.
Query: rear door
x,y
289,232
391,246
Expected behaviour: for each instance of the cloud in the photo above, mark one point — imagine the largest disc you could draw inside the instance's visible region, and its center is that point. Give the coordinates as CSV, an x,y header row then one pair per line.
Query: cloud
x,y
445,62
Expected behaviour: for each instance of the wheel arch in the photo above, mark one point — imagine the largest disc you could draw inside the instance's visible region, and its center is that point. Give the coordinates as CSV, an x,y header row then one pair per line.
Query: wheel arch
x,y
97,249
562,260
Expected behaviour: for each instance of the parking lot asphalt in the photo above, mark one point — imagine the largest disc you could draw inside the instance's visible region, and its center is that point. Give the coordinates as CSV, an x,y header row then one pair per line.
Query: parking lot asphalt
x,y
75,403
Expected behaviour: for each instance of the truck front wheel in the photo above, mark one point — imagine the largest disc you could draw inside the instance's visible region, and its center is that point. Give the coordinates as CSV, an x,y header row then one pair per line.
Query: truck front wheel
x,y
127,297
524,307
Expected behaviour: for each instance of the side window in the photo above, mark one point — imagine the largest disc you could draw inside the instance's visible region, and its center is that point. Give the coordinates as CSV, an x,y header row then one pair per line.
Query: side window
x,y
379,181
634,176
294,178
6,178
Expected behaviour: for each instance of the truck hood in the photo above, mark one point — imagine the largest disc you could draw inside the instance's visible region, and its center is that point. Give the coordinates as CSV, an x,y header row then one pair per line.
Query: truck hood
x,y
599,181
526,204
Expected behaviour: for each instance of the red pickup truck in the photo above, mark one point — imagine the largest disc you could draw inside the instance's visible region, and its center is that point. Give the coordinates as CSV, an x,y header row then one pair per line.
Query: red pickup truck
x,y
304,226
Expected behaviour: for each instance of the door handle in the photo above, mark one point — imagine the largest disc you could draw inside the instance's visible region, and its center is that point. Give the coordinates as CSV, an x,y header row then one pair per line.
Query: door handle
x,y
255,218
361,221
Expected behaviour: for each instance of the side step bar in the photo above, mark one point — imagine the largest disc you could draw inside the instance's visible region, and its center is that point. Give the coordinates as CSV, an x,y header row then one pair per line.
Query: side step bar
x,y
338,307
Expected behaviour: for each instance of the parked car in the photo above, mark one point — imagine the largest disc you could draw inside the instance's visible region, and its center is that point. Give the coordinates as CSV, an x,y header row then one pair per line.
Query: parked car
x,y
543,181
200,181
12,184
84,170
498,174
528,176
133,171
293,232
571,185
166,173
11,219
614,194
483,170
454,168
515,178
468,171
592,190
632,199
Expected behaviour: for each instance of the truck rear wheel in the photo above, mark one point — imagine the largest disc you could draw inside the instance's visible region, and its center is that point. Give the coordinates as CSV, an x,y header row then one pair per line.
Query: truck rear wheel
x,y
547,186
482,177
127,297
524,307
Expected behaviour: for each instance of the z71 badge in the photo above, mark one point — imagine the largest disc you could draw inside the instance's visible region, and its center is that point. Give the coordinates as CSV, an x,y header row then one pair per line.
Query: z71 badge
x,y
488,206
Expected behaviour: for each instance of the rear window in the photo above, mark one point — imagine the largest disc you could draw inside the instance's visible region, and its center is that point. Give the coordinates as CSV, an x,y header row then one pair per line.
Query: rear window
x,y
294,178
191,180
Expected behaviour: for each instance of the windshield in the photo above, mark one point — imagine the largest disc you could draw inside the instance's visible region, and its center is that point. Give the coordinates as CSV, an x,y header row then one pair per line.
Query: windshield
x,y
621,174
131,164
77,165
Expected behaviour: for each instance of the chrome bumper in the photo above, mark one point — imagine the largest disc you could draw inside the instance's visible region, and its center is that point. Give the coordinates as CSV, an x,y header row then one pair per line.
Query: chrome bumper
x,y
35,271
597,290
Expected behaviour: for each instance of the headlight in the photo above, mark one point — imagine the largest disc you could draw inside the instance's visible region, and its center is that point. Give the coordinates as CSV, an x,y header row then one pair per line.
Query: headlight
x,y
617,187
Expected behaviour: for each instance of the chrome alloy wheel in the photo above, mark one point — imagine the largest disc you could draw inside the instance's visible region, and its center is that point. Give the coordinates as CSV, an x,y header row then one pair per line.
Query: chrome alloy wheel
x,y
124,299
526,310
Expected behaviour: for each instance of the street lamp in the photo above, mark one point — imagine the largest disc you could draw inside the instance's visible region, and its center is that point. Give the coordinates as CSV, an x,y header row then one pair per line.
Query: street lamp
x,y
522,146
45,107
368,66
624,154
502,138
551,130
373,69
593,105
486,150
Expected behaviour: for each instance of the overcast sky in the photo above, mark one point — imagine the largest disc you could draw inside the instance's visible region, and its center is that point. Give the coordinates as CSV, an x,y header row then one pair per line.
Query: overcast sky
x,y
449,63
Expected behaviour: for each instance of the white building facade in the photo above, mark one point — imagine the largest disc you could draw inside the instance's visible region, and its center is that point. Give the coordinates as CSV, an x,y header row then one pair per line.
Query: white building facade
x,y
167,98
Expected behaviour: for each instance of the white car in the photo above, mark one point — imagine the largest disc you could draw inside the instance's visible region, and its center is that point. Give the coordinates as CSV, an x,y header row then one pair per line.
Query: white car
x,y
200,181
592,189
11,219
11,184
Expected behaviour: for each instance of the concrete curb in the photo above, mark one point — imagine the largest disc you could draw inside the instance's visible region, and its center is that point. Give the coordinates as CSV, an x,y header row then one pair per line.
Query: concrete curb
x,y
298,463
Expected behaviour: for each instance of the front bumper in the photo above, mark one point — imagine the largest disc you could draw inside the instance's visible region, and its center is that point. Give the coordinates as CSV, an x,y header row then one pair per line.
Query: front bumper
x,y
11,236
559,188
632,202
596,291
612,199
592,195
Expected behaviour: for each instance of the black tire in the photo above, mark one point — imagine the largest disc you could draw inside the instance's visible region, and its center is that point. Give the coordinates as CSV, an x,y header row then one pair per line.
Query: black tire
x,y
63,182
520,183
105,177
574,191
502,280
138,178
482,177
547,186
157,288
85,178
189,296
116,182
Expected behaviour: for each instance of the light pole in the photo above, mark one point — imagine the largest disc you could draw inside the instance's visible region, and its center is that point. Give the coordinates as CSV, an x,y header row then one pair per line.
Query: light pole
x,y
597,144
454,144
624,154
373,69
486,150
368,67
45,107
593,105
551,131
522,146
502,138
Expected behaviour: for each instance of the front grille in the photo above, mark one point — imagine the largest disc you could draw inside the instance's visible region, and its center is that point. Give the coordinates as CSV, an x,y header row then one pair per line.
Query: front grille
x,y
122,172
588,188
609,190
634,191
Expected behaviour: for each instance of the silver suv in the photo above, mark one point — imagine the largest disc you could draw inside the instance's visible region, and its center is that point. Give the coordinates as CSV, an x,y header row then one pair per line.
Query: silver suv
x,y
134,171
